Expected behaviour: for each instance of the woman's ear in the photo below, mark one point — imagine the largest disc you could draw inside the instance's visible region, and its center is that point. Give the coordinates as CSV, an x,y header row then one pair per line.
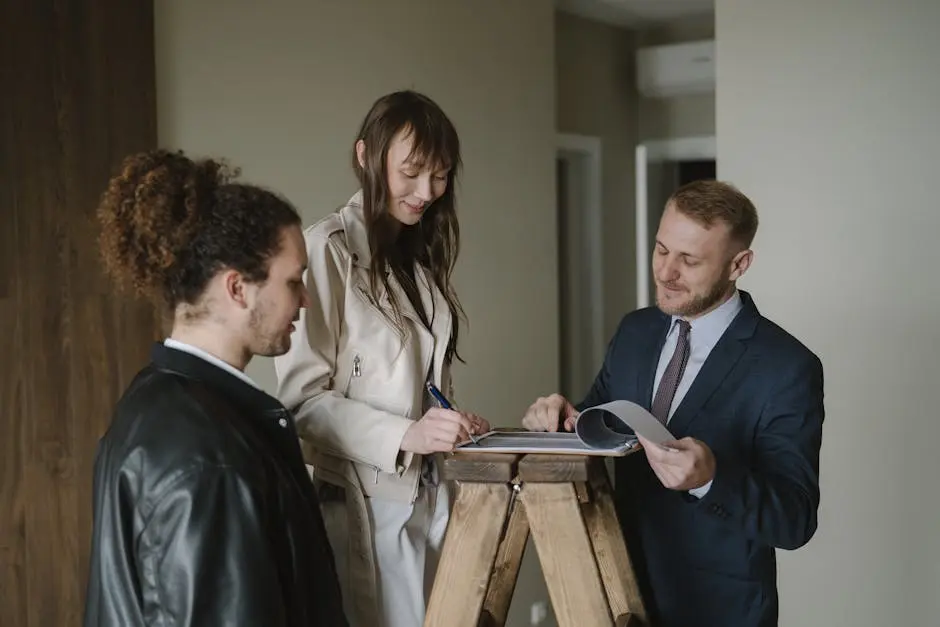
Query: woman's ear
x,y
361,153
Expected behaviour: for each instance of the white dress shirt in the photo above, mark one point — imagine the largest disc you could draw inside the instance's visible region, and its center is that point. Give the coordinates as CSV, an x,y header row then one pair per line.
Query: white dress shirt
x,y
212,359
704,334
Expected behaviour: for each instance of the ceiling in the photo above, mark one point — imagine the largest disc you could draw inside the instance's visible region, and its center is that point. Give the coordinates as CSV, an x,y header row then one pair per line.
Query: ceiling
x,y
636,12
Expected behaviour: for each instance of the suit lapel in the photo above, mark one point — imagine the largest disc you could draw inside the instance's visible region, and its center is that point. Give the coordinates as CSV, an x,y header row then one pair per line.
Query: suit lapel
x,y
653,341
722,359
716,367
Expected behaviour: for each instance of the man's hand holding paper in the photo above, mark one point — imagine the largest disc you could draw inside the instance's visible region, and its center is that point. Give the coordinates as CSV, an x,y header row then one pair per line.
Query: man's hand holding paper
x,y
684,464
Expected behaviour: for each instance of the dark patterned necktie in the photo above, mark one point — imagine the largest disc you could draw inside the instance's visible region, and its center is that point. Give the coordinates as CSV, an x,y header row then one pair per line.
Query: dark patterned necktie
x,y
673,374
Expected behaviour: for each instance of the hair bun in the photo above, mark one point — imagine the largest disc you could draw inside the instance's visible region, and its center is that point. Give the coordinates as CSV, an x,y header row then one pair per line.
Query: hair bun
x,y
149,212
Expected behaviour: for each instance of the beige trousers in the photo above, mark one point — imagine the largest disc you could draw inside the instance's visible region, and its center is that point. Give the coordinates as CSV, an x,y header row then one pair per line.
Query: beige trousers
x,y
407,541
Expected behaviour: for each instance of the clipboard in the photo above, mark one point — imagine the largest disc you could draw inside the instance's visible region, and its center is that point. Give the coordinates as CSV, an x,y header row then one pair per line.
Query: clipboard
x,y
606,430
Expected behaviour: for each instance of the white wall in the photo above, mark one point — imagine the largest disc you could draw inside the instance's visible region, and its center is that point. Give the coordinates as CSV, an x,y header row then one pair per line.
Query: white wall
x,y
827,118
280,87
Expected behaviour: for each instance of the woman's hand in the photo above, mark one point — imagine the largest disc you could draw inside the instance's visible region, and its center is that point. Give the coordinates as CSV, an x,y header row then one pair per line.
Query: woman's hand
x,y
440,430
478,425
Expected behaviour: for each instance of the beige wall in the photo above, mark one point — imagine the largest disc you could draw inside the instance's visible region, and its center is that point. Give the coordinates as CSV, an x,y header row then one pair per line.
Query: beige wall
x,y
280,88
680,116
834,134
596,96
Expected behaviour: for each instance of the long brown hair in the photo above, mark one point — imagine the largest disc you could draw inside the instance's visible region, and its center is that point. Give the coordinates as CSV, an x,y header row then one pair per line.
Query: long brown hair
x,y
434,242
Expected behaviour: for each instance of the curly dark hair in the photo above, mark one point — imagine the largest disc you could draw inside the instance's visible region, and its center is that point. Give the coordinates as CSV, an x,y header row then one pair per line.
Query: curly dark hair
x,y
169,224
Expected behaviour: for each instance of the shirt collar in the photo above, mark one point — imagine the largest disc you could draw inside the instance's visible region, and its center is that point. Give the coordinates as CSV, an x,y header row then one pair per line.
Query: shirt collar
x,y
709,328
212,359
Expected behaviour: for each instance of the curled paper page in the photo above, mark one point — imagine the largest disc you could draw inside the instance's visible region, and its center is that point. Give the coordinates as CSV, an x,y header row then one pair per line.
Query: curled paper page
x,y
603,426
600,430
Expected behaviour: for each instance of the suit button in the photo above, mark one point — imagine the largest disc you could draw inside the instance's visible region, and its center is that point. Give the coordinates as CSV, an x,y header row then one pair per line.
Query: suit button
x,y
282,422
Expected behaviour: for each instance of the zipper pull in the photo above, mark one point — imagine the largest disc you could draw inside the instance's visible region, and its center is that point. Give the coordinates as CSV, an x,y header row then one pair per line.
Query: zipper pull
x,y
376,481
357,370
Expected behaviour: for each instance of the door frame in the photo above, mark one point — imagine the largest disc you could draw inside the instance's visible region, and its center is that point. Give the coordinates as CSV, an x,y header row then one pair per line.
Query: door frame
x,y
587,149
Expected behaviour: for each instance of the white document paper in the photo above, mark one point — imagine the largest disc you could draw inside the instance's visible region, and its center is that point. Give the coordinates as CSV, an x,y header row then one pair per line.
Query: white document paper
x,y
522,441
597,432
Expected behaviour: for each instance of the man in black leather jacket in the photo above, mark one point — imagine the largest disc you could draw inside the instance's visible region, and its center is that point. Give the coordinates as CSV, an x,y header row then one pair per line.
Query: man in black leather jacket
x,y
204,513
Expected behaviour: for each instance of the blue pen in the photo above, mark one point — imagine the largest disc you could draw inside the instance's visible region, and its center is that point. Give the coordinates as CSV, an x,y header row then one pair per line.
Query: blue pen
x,y
444,403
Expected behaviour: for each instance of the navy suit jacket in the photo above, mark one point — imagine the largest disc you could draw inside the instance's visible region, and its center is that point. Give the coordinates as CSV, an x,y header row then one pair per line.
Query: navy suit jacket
x,y
757,402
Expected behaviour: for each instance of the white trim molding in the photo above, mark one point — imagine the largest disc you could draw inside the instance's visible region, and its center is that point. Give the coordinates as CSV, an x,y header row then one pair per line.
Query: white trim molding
x,y
589,148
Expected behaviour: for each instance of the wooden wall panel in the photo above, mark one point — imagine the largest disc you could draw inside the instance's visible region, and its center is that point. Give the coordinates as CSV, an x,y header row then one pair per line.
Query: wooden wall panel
x,y
76,95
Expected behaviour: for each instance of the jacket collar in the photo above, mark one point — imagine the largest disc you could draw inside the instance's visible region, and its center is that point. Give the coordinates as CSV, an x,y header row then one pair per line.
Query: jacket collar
x,y
195,368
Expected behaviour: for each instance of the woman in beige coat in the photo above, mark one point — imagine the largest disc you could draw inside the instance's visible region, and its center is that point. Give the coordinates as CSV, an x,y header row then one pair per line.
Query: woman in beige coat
x,y
382,323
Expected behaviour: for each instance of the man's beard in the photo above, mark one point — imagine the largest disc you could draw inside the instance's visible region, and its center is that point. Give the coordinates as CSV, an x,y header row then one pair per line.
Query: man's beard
x,y
699,304
265,344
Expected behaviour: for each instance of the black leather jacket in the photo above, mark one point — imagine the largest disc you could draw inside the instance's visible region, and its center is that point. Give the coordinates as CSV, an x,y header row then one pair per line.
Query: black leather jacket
x,y
204,514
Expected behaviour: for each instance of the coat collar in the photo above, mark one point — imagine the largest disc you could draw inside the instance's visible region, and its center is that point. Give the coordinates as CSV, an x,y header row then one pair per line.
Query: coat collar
x,y
353,217
195,368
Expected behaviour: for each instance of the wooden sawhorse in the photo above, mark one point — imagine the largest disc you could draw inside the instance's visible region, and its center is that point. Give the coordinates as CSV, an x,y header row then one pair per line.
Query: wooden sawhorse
x,y
567,503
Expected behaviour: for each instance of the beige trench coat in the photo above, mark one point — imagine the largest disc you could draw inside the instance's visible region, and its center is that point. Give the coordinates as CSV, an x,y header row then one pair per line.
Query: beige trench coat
x,y
355,383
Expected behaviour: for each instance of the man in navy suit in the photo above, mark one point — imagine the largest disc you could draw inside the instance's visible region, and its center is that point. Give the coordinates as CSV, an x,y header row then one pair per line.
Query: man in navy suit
x,y
744,400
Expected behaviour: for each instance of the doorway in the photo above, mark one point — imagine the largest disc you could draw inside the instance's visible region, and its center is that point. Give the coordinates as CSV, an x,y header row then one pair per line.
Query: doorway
x,y
661,168
689,170
580,255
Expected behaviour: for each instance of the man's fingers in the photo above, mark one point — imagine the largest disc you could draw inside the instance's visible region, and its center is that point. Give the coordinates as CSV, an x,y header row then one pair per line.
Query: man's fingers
x,y
546,413
679,466
532,422
571,416
664,453
548,418
672,477
661,474
653,451
685,444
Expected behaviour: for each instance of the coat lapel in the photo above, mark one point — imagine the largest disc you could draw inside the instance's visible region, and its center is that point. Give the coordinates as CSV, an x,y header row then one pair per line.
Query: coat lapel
x,y
427,292
384,304
722,359
404,303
